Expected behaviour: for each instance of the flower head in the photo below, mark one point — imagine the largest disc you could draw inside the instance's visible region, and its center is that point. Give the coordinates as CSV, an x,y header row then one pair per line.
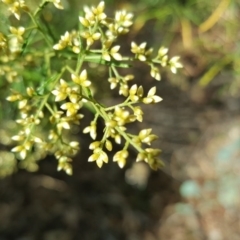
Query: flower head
x,y
81,79
120,157
99,156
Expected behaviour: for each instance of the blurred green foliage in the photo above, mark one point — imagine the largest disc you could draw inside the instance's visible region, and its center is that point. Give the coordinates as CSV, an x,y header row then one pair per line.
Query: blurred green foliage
x,y
206,33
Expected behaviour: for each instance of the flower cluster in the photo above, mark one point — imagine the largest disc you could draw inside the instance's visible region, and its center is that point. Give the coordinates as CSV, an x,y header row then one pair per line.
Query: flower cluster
x,y
15,7
69,39
49,101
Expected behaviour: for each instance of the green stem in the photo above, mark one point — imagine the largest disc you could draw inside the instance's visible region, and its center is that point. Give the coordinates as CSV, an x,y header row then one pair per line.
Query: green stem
x,y
42,104
80,61
38,26
49,108
115,72
124,104
40,7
